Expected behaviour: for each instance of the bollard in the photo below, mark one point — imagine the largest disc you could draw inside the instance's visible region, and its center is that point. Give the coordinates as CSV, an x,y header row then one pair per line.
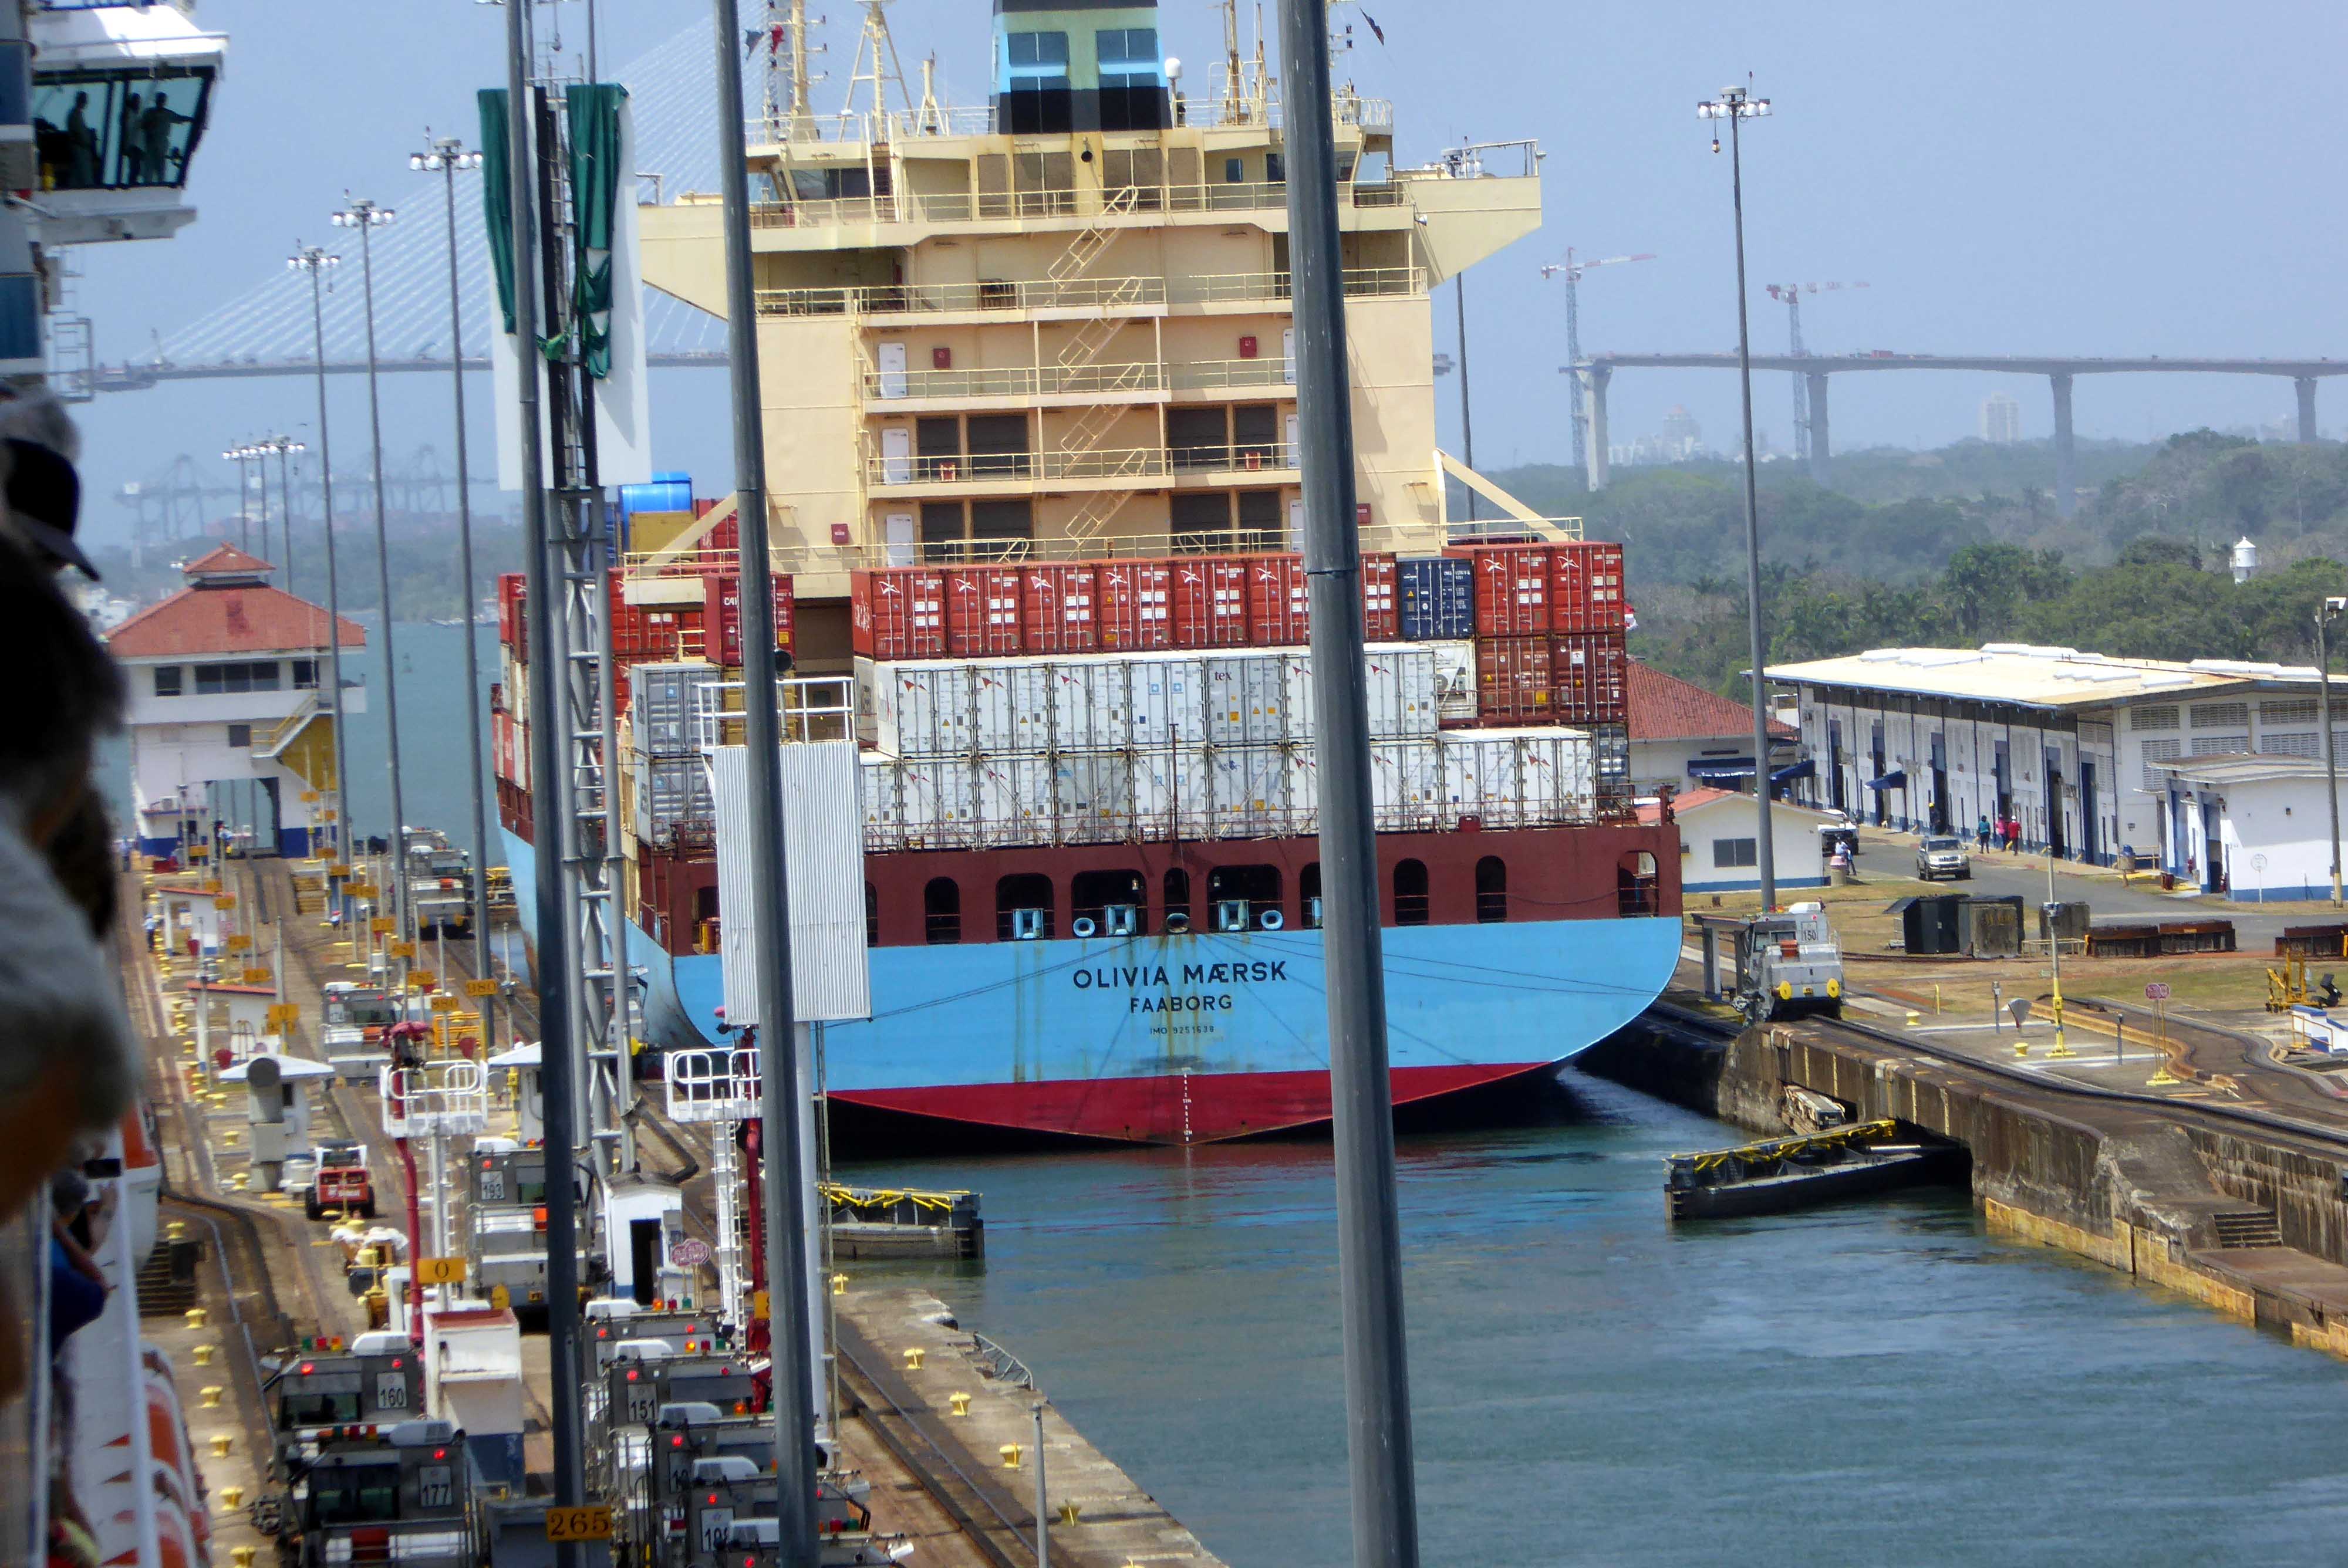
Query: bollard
x,y
229,1139
840,1284
243,1555
221,1443
2022,1047
1010,1452
204,1353
197,1317
960,1403
212,1394
1914,1018
177,1230
1070,1510
233,1496
913,1354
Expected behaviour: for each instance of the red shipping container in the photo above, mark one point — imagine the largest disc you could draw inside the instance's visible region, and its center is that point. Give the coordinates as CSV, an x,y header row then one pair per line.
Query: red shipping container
x,y
1209,600
1279,611
1512,681
897,612
1135,604
1063,609
985,611
1381,609
1591,674
721,617
509,595
1512,588
1586,587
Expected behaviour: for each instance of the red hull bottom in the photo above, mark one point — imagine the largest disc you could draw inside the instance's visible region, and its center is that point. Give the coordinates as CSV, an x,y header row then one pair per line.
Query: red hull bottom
x,y
1180,1109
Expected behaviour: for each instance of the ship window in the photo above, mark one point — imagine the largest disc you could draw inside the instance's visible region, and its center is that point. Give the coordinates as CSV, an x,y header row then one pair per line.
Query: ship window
x,y
1090,894
937,447
167,680
1255,435
1035,90
1257,887
1410,893
941,911
1234,171
1198,438
1491,890
872,915
1308,896
997,529
942,530
1634,884
1275,171
1261,524
1178,896
998,445
1014,896
1200,521
97,130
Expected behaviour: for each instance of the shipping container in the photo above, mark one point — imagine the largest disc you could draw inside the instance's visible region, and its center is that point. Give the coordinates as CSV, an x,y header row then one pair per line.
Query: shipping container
x,y
1209,601
1381,611
1401,690
1519,777
1013,797
877,792
512,589
1090,705
1512,681
1247,698
923,709
939,802
1248,792
1512,588
1407,786
672,798
985,611
661,705
1454,681
722,609
1437,598
1586,586
1591,676
1168,700
897,612
1280,612
1171,793
1011,699
1092,797
1062,612
1304,789
1136,605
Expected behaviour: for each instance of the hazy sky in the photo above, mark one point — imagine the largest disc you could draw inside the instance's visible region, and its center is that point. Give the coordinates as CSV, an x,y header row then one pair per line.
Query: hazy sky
x,y
2089,177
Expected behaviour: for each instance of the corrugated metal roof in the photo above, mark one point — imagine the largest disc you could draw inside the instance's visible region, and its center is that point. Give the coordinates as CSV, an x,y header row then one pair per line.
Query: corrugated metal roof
x,y
2034,677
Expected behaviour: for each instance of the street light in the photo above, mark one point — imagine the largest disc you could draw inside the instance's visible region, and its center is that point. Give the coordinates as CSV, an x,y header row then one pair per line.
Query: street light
x,y
447,156
2325,613
367,218
281,447
1737,105
318,263
242,455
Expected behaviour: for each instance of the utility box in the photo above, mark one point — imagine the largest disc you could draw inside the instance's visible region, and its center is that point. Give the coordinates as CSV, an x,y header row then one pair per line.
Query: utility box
x,y
2066,921
1931,925
1993,925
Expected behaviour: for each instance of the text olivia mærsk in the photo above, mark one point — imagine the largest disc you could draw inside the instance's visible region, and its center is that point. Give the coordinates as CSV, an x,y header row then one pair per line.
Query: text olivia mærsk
x,y
1140,980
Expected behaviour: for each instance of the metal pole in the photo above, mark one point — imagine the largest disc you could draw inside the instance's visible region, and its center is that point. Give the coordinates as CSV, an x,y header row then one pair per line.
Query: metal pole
x,y
1467,418
286,504
315,260
546,770
472,635
1767,855
365,212
1043,1522
1369,1238
787,1261
2331,758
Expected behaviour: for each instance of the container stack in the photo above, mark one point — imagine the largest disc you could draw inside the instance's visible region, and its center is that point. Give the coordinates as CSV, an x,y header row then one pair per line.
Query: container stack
x,y
667,777
1550,628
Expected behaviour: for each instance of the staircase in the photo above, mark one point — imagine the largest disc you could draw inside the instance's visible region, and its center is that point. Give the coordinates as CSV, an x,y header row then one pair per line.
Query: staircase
x,y
2248,1227
1093,236
167,1280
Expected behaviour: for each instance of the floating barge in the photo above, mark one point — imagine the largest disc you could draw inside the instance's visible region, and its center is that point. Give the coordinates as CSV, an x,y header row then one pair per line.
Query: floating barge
x,y
1779,1175
902,1222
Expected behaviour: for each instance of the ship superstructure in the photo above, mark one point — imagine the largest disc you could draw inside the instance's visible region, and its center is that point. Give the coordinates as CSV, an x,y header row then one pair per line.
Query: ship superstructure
x,y
1031,409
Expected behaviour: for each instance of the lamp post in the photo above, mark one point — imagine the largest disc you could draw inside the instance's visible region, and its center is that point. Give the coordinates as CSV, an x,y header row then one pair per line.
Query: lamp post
x,y
317,263
447,156
367,218
2325,613
281,447
1737,105
242,456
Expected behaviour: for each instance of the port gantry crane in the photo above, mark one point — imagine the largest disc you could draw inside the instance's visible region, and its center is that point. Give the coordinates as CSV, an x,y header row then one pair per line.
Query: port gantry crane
x,y
1790,296
1574,268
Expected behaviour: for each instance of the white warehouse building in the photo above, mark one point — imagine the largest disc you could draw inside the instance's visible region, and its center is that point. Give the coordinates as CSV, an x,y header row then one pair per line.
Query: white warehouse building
x,y
2070,744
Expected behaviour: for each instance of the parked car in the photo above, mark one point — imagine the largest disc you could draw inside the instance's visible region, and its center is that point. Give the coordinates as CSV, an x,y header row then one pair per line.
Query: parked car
x,y
1942,856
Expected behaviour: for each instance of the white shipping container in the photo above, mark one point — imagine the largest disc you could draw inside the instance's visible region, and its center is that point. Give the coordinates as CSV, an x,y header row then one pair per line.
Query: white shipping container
x,y
1406,783
1247,698
937,807
1454,680
1249,791
923,708
878,797
1303,788
1172,793
1401,685
1013,794
1015,705
1093,796
1167,700
1087,704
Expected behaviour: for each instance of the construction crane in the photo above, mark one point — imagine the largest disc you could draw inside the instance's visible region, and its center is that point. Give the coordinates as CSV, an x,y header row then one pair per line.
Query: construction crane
x,y
1572,268
1790,296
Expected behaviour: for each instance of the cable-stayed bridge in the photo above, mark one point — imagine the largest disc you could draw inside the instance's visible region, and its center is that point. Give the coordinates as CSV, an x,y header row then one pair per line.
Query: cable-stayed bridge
x,y
268,331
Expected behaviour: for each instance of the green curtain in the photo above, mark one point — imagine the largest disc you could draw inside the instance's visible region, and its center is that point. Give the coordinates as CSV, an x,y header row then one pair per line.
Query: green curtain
x,y
497,209
595,195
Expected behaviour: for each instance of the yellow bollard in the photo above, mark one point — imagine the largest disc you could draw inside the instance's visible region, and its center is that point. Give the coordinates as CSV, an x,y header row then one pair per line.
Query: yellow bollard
x,y
913,1354
2022,1047
233,1496
1069,1511
177,1230
221,1443
1010,1452
1914,1018
204,1353
243,1555
229,1139
212,1393
197,1317
840,1284
960,1403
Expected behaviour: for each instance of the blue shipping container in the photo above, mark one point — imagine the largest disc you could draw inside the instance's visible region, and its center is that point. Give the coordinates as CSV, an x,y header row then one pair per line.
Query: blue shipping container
x,y
1438,599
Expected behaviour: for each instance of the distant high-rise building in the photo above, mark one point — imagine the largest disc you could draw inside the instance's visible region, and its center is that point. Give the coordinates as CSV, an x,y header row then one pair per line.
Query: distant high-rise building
x,y
2000,420
1680,428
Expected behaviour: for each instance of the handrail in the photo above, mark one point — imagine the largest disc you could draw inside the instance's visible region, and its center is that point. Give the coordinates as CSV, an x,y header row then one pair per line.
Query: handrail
x,y
1386,538
1016,381
855,127
1115,463
1073,294
1131,202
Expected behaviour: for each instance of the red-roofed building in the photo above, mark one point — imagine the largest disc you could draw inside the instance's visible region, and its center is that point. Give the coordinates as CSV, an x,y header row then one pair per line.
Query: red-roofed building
x,y
1686,737
230,681
1719,840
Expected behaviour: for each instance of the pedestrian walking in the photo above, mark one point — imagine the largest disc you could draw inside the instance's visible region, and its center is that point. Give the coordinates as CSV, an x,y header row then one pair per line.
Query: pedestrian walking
x,y
154,928
1981,833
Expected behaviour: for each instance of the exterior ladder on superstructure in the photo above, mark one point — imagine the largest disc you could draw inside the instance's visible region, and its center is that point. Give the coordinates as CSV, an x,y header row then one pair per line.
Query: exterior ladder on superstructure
x,y
1093,236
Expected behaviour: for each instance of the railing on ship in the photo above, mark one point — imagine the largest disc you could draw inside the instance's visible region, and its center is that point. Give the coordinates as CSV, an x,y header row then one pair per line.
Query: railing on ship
x,y
1136,376
857,126
994,206
1074,294
809,707
1121,463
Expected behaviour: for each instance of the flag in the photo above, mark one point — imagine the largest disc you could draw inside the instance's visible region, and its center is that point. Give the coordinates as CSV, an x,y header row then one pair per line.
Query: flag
x,y
1373,20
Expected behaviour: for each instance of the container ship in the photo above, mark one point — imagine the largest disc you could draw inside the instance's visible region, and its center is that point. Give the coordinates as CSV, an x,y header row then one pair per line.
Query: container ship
x,y
1034,499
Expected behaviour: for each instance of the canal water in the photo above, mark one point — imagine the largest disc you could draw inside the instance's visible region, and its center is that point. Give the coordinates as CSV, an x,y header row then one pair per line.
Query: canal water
x,y
1882,1382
